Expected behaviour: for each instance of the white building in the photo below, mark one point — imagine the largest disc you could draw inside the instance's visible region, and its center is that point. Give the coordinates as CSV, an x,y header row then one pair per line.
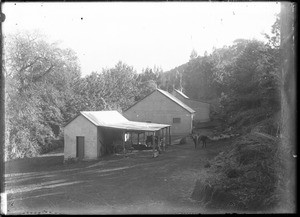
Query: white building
x,y
162,107
91,134
202,109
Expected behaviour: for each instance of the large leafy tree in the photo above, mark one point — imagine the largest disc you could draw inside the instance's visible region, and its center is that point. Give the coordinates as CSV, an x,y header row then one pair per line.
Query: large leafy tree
x,y
198,78
120,85
39,78
247,75
148,81
113,88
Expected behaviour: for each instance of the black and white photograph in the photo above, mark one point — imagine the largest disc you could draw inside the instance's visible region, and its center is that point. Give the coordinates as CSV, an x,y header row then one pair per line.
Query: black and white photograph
x,y
148,107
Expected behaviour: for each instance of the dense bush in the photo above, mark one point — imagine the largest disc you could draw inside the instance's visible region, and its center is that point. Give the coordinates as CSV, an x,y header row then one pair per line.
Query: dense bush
x,y
248,176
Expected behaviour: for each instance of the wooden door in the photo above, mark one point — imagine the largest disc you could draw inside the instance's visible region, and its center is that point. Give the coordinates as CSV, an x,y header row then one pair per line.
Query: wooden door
x,y
80,147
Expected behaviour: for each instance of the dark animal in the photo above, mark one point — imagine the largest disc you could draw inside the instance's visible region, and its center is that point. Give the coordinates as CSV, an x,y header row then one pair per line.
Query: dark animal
x,y
203,139
195,140
198,139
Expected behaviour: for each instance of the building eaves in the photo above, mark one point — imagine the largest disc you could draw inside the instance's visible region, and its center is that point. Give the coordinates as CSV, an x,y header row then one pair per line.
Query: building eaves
x,y
113,119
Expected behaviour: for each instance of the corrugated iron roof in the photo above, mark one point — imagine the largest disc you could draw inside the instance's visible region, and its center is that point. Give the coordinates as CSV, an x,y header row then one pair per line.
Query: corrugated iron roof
x,y
182,94
101,118
173,98
113,119
138,126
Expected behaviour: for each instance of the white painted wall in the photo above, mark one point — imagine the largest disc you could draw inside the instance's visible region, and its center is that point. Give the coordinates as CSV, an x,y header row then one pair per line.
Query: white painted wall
x,y
80,126
157,108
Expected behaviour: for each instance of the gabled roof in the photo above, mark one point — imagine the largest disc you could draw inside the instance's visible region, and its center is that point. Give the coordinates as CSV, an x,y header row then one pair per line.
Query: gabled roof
x,y
170,96
173,98
182,94
185,96
113,119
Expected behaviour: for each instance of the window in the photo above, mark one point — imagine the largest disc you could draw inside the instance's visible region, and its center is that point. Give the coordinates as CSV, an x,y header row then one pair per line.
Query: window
x,y
176,120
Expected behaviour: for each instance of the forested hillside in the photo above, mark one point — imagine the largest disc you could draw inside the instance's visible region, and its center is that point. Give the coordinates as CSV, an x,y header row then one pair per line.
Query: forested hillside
x,y
241,81
256,172
45,89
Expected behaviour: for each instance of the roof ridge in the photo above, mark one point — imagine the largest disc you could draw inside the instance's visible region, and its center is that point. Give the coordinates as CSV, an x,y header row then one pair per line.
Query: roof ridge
x,y
181,93
178,101
87,117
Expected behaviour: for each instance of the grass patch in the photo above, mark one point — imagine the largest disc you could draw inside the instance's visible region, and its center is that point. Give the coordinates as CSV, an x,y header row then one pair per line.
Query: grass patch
x,y
247,176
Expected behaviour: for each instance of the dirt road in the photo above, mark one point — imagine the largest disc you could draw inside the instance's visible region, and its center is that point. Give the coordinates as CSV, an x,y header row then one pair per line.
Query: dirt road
x,y
136,184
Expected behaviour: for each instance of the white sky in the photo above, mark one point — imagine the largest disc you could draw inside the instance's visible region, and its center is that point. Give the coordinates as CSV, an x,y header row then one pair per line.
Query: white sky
x,y
141,34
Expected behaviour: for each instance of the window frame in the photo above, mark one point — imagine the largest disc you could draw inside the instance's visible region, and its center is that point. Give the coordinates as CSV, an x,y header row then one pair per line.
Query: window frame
x,y
176,120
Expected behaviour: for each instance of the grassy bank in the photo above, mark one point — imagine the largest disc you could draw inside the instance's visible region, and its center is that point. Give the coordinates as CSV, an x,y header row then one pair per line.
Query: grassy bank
x,y
248,176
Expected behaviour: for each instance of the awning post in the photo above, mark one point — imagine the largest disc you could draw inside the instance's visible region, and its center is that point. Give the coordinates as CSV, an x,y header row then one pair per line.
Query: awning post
x,y
158,142
123,135
169,135
138,142
153,141
164,139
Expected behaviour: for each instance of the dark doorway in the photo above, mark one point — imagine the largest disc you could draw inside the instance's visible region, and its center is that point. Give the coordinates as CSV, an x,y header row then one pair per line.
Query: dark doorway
x,y
80,147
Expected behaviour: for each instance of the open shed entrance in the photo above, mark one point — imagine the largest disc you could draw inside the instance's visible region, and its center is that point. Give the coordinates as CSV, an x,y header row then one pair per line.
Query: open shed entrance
x,y
133,136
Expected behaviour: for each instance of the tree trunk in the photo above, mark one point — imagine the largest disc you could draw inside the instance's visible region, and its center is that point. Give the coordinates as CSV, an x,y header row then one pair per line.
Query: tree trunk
x,y
288,99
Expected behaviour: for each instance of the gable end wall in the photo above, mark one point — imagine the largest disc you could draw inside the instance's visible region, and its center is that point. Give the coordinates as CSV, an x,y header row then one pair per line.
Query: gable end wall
x,y
80,126
158,108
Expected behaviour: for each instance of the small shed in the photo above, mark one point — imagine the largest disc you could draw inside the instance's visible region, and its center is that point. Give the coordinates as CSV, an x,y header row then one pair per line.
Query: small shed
x,y
162,107
90,134
202,109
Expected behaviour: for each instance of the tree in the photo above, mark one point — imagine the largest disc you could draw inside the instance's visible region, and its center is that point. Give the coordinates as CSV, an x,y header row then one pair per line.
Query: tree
x,y
113,88
288,33
274,38
39,77
148,81
247,78
121,85
197,78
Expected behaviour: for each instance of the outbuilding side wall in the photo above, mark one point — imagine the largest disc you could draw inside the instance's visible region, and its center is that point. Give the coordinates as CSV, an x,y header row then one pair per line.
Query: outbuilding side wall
x,y
80,126
202,110
157,108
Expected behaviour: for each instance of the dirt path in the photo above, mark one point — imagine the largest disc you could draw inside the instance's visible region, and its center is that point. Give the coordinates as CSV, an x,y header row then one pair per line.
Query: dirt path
x,y
137,184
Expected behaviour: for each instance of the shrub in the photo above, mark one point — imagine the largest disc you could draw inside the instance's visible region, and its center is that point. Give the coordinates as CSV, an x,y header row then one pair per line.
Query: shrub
x,y
20,146
248,176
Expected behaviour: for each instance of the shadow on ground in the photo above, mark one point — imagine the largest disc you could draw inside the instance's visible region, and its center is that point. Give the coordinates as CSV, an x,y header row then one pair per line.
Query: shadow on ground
x,y
136,183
